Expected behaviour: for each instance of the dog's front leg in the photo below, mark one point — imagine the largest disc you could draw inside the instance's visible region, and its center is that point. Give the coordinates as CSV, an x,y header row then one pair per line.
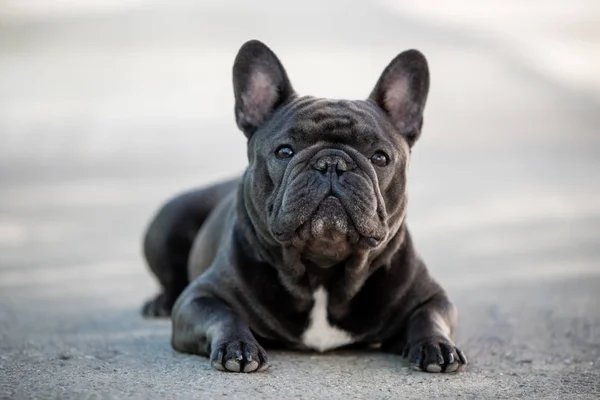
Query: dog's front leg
x,y
427,340
205,325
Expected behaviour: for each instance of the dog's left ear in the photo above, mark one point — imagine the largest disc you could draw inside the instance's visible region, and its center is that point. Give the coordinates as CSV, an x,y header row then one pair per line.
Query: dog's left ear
x,y
402,92
260,85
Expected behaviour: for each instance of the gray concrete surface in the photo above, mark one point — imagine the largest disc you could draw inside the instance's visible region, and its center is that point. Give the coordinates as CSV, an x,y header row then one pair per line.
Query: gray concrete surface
x,y
108,108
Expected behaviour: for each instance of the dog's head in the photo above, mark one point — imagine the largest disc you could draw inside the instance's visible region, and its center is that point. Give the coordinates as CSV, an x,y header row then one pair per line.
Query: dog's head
x,y
325,176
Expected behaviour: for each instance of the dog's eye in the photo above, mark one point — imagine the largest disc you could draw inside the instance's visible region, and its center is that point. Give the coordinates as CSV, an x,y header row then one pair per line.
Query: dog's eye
x,y
284,152
380,159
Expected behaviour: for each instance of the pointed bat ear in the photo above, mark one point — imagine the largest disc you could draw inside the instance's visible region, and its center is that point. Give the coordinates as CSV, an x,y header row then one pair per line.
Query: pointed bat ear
x,y
260,85
401,92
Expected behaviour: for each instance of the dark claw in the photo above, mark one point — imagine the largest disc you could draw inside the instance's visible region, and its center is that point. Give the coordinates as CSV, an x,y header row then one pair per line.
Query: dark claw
x,y
238,355
440,359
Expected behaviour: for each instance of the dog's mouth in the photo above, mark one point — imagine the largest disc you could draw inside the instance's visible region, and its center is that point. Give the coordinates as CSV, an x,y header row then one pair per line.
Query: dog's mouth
x,y
330,221
329,231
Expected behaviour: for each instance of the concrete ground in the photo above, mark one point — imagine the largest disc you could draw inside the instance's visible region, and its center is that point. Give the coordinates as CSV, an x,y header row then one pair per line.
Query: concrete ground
x,y
109,107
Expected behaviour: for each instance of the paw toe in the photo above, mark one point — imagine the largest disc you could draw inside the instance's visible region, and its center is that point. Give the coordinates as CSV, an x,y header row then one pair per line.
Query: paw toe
x,y
233,365
434,368
452,367
217,361
251,366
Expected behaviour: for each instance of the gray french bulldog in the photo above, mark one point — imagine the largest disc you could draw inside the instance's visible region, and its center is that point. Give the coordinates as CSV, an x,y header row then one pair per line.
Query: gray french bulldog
x,y
309,249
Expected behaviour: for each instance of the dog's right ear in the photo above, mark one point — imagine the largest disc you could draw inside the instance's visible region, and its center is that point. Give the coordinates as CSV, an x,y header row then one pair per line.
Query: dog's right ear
x,y
260,85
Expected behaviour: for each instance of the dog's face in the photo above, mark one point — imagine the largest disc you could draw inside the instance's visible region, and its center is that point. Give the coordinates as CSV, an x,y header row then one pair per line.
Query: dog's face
x,y
327,177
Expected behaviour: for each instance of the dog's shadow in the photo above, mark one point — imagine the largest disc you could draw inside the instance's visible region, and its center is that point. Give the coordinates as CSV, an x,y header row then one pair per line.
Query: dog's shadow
x,y
348,358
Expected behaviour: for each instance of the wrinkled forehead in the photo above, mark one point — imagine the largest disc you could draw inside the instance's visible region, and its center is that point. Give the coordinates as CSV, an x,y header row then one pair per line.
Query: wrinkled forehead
x,y
353,122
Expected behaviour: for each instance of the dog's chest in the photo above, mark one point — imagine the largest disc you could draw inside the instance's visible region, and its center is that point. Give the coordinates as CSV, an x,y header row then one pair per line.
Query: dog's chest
x,y
320,334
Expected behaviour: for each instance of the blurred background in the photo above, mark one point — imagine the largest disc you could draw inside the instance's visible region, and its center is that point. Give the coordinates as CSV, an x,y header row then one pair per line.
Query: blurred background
x,y
108,108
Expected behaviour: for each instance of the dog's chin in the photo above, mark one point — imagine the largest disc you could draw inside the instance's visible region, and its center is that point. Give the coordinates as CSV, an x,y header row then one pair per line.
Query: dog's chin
x,y
329,236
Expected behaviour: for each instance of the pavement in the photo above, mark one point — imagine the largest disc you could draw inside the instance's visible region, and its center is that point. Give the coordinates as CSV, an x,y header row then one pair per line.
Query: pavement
x,y
108,108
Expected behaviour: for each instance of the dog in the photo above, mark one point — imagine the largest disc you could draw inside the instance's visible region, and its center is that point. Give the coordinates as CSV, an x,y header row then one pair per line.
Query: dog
x,y
309,249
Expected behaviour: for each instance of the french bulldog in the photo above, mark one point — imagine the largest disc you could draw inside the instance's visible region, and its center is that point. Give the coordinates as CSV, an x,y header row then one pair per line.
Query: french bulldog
x,y
309,249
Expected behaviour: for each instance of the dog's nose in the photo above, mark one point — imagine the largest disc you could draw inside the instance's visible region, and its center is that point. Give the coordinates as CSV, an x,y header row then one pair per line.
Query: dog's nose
x,y
331,163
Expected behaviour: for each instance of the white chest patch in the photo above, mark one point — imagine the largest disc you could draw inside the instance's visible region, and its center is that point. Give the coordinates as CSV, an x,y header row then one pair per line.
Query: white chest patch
x,y
320,334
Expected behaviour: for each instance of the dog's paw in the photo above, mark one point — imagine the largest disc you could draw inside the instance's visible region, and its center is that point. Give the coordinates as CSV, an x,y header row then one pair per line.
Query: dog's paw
x,y
436,354
239,356
158,307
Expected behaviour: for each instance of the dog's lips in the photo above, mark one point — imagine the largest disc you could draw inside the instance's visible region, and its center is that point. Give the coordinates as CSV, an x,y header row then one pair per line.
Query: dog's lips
x,y
330,223
330,220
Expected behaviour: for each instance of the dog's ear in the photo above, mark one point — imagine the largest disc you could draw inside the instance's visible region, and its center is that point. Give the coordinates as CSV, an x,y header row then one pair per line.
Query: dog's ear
x,y
402,92
260,85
